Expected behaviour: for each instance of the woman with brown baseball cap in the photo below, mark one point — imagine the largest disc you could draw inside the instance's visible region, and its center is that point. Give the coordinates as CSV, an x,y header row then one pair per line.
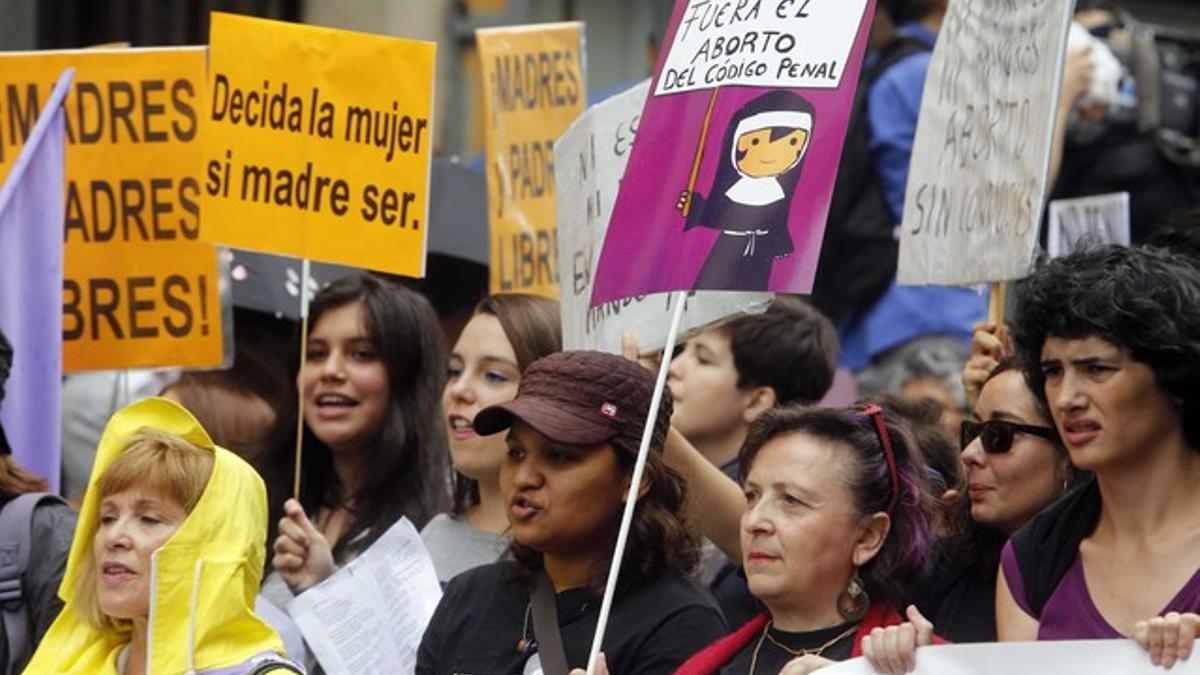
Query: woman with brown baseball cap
x,y
573,434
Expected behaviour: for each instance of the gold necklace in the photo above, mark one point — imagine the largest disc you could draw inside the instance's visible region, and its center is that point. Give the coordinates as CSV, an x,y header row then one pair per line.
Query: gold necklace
x,y
817,651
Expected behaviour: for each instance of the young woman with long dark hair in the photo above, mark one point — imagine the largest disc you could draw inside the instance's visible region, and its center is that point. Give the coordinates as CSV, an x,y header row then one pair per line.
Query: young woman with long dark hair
x,y
374,447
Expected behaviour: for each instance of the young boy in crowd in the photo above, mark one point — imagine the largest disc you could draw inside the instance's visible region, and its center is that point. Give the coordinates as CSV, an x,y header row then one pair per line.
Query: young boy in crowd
x,y
726,377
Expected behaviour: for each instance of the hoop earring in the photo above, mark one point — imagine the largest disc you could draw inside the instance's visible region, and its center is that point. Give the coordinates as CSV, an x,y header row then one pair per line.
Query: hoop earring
x,y
853,601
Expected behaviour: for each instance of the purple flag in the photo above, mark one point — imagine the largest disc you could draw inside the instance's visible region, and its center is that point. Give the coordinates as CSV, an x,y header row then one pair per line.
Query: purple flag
x,y
31,278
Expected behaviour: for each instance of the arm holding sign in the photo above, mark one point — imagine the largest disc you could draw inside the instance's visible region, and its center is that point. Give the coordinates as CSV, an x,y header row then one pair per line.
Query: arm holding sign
x,y
1168,638
1077,79
714,501
989,346
893,649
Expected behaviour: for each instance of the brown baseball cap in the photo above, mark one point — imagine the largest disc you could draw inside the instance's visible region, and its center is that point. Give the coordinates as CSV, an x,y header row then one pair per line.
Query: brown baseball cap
x,y
583,398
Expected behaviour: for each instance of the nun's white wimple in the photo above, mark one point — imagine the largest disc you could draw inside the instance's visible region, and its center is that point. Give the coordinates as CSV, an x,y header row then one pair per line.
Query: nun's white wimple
x,y
788,119
765,190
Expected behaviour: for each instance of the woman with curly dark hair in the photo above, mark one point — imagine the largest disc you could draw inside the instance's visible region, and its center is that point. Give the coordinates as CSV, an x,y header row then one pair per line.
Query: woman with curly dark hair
x,y
573,435
1110,339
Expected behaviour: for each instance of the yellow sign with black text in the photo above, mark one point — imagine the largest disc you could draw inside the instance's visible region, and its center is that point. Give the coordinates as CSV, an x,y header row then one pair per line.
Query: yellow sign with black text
x,y
534,89
139,287
317,143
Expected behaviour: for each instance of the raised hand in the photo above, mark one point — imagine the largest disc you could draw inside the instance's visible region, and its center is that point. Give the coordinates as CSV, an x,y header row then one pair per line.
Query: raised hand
x,y
303,556
989,346
685,197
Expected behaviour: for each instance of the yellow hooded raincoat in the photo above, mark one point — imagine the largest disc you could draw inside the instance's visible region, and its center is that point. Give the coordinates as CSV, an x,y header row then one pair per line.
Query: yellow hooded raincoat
x,y
204,579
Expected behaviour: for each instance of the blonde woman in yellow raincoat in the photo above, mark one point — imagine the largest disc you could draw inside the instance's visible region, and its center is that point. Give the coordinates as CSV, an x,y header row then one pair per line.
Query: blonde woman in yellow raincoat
x,y
166,560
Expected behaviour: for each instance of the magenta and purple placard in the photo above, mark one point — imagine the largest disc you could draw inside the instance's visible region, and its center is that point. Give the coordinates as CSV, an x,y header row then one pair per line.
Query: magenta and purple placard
x,y
779,77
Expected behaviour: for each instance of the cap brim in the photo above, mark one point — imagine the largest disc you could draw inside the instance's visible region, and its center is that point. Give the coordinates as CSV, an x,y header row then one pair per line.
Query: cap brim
x,y
546,417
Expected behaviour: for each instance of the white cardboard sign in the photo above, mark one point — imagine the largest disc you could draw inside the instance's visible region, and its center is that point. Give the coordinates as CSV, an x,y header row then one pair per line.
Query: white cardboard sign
x,y
761,43
977,180
588,162
1094,657
1100,219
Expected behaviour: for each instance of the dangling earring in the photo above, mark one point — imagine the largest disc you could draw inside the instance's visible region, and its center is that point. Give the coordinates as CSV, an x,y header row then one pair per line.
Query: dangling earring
x,y
852,603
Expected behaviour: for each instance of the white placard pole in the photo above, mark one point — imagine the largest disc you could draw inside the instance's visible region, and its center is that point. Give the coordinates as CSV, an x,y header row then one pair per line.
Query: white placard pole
x,y
614,571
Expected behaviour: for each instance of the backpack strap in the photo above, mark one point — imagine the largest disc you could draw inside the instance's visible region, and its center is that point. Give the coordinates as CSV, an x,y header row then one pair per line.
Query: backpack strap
x,y
545,626
16,523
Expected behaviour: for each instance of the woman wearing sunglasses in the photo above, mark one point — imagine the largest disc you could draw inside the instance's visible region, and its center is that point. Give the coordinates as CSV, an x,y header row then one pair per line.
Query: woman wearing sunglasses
x,y
1014,462
1110,340
1014,465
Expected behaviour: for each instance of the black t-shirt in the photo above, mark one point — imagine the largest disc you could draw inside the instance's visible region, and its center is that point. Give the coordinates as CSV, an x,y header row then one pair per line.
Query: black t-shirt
x,y
772,658
478,626
960,601
732,593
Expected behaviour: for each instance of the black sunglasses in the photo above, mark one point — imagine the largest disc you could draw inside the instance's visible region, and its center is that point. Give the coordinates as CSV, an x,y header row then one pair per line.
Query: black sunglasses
x,y
997,435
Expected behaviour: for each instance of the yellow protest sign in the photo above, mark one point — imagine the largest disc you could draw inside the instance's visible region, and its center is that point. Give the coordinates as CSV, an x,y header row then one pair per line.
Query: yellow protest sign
x,y
317,143
139,289
534,89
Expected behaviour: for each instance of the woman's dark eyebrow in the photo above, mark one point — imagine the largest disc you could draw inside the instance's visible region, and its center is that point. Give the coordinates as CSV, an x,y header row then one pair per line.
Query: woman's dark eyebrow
x,y
1089,361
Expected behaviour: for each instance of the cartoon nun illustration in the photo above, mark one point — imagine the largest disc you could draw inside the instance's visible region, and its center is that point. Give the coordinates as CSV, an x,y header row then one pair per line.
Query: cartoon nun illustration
x,y
765,144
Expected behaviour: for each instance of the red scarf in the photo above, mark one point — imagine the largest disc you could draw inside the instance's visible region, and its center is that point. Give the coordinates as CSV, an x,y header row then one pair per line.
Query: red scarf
x,y
709,660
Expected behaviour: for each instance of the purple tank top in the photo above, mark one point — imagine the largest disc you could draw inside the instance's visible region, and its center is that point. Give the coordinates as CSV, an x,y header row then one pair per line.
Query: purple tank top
x,y
1070,614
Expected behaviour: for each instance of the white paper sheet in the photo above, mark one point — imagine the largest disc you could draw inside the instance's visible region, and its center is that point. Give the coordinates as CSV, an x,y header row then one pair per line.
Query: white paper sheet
x,y
368,618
